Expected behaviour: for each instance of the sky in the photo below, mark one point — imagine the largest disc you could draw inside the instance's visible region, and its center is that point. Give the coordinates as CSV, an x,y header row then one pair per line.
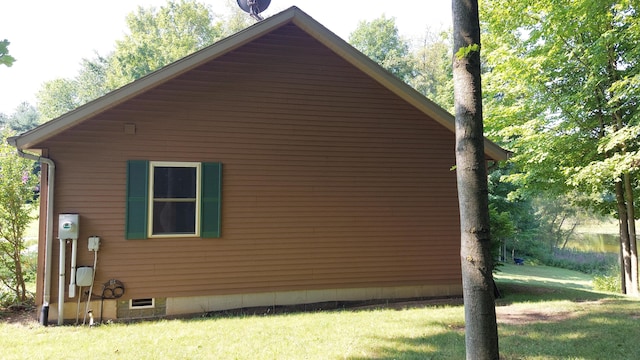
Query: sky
x,y
50,38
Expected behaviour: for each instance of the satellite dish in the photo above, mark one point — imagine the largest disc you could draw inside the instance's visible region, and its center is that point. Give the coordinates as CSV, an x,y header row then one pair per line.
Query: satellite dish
x,y
254,7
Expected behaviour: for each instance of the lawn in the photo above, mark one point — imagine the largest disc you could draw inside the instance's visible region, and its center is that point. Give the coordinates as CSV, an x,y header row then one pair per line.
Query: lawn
x,y
545,313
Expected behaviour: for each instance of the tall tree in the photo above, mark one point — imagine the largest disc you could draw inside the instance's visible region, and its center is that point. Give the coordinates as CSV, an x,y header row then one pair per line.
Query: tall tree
x,y
514,220
59,96
23,119
379,40
481,330
564,83
432,68
158,37
5,58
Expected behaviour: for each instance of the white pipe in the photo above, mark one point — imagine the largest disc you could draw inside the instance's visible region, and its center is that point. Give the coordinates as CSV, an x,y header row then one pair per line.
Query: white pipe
x,y
61,267
51,172
93,279
72,276
46,296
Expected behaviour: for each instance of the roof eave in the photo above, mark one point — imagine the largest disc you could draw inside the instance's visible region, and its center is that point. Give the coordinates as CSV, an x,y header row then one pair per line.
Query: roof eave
x,y
294,15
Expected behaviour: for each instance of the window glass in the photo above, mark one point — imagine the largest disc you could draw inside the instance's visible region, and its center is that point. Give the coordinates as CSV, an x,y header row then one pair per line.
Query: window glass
x,y
174,199
174,182
174,217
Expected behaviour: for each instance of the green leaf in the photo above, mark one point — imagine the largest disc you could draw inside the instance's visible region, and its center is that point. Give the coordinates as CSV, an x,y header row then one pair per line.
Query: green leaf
x,y
466,51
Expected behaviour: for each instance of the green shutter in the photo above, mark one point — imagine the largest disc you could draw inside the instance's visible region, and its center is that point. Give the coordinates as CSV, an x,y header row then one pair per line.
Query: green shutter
x,y
137,199
210,200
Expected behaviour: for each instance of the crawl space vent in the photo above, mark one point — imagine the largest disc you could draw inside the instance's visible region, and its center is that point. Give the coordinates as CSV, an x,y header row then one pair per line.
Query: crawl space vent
x,y
141,303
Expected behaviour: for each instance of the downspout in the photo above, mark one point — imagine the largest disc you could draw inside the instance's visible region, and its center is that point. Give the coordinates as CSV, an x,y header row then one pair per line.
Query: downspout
x,y
51,167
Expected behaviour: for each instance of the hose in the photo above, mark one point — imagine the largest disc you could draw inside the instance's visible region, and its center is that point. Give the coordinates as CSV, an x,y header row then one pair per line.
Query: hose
x,y
112,289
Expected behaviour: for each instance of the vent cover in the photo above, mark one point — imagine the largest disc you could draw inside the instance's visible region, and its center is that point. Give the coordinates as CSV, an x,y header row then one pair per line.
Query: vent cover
x,y
146,303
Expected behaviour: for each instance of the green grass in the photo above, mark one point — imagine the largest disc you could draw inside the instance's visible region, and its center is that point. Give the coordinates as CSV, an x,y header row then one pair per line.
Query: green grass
x,y
546,313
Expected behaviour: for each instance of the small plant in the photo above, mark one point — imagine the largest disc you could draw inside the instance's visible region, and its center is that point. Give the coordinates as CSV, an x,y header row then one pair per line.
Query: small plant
x,y
607,283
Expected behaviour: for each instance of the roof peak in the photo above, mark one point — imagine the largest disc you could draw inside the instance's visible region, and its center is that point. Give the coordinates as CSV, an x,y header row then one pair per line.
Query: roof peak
x,y
293,15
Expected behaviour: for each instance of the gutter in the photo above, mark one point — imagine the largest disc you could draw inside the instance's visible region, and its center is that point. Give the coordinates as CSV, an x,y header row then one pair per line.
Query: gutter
x,y
51,167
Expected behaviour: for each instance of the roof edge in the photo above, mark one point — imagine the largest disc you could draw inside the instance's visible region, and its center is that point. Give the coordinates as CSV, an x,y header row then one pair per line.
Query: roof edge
x,y
388,80
291,15
164,74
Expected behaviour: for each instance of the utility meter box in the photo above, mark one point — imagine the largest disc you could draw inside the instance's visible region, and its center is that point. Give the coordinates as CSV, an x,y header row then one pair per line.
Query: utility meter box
x,y
68,226
93,243
84,276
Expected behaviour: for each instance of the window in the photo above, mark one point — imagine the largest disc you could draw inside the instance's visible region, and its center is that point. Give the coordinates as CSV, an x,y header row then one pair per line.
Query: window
x,y
174,196
172,199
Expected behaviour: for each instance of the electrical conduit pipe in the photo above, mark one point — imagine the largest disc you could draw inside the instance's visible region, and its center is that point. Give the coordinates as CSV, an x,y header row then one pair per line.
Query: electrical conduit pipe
x,y
72,276
51,171
61,267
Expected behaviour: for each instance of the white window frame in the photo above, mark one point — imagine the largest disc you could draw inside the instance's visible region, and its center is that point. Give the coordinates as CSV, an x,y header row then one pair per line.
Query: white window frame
x,y
152,166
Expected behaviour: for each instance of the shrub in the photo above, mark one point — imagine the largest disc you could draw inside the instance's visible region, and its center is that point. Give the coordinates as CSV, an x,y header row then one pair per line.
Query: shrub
x,y
608,282
17,184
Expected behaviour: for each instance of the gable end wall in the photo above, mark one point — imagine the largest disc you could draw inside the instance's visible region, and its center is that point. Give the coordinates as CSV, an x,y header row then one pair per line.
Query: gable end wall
x,y
330,181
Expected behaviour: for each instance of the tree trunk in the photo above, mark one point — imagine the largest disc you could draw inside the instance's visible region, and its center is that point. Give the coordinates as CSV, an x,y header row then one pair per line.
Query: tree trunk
x,y
631,222
625,253
481,331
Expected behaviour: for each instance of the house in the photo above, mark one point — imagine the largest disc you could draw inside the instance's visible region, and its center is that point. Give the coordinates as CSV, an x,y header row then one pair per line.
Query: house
x,y
278,166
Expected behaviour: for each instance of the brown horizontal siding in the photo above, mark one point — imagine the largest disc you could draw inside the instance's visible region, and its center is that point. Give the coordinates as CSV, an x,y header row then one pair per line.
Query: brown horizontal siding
x,y
329,180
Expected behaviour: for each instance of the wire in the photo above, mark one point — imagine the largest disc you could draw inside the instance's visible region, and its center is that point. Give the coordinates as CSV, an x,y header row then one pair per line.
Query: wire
x,y
93,279
78,306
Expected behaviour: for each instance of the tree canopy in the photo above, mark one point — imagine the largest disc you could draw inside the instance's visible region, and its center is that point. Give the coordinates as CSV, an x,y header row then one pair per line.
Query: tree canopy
x,y
23,119
562,84
156,37
379,40
433,76
59,96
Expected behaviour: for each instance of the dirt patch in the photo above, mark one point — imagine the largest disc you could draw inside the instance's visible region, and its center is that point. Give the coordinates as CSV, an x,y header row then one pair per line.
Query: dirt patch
x,y
21,317
519,315
514,316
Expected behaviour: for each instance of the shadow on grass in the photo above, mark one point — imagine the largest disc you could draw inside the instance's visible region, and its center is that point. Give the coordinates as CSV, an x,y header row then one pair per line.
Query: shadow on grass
x,y
447,345
516,291
603,329
545,319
